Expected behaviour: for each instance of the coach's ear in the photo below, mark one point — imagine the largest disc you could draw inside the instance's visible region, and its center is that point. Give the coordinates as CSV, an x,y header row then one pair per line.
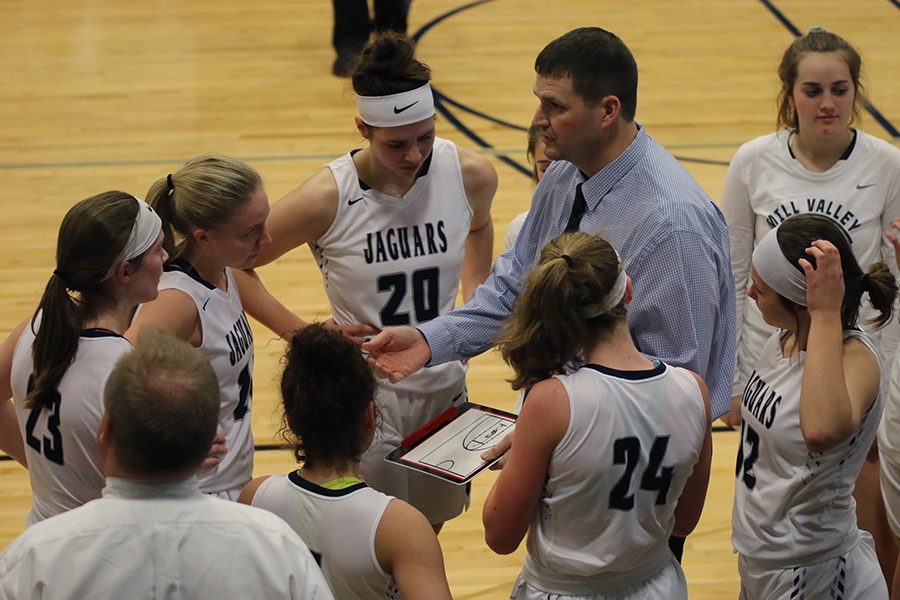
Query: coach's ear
x,y
629,290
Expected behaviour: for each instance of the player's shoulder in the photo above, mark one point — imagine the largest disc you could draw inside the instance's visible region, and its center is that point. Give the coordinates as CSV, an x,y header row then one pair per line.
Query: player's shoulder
x,y
880,148
763,144
476,168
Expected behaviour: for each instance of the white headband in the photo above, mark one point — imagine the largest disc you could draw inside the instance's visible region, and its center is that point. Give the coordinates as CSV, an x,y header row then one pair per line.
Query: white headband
x,y
397,110
777,271
144,232
612,298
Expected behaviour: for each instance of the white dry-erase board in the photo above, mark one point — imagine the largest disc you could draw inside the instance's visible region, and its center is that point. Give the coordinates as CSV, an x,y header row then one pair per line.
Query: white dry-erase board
x,y
450,445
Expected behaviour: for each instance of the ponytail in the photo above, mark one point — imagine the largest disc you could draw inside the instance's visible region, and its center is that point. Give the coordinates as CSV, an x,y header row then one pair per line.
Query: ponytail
x,y
55,341
555,318
879,282
91,236
160,198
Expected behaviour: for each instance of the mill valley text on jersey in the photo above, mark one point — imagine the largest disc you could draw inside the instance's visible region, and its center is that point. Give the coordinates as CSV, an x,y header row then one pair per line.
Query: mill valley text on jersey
x,y
843,217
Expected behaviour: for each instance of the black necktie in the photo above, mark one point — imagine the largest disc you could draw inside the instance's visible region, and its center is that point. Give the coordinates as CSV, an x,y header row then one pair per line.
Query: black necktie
x,y
578,208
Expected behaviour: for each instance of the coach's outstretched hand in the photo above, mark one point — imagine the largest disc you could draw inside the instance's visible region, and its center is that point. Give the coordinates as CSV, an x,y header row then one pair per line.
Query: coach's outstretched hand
x,y
397,352
358,332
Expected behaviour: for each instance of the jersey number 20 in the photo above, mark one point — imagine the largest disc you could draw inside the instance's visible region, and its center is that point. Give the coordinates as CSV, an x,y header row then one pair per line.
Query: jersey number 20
x,y
424,294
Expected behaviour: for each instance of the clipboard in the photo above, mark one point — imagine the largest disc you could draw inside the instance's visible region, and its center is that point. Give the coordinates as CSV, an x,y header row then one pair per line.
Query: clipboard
x,y
450,445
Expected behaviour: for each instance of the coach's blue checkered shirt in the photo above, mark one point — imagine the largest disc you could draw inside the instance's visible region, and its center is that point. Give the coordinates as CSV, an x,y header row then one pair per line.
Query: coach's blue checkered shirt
x,y
674,245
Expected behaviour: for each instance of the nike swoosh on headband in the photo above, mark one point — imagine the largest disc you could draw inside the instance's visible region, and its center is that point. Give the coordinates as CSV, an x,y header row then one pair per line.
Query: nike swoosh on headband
x,y
397,111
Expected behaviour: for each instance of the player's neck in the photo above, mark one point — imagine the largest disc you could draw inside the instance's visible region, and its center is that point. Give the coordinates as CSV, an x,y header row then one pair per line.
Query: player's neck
x,y
108,313
378,177
797,339
617,351
208,267
327,473
819,153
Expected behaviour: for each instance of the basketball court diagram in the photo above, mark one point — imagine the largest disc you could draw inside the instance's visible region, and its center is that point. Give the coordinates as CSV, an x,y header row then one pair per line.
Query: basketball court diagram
x,y
456,448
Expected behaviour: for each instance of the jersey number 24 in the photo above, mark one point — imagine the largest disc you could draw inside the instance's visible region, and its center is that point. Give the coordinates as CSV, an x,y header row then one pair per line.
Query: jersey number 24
x,y
655,478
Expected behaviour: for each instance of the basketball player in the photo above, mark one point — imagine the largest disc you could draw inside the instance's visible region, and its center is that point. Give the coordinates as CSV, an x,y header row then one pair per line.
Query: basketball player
x,y
394,227
109,257
809,415
816,162
370,546
607,461
214,212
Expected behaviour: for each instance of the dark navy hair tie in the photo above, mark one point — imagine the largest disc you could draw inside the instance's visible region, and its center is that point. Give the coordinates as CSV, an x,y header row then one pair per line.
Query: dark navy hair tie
x,y
170,186
569,260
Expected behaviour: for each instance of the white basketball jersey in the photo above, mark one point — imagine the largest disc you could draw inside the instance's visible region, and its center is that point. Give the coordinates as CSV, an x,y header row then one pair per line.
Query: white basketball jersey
x,y
339,528
792,506
61,440
396,261
614,479
228,345
860,194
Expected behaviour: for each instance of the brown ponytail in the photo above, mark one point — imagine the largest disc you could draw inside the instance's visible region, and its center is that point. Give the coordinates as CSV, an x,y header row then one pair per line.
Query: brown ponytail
x,y
91,236
547,328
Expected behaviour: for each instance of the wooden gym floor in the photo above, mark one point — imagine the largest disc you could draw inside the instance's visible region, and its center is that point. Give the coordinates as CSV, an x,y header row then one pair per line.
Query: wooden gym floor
x,y
102,95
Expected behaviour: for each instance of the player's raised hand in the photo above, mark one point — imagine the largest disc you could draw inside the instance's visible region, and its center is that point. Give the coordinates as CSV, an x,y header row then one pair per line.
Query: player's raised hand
x,y
825,281
397,352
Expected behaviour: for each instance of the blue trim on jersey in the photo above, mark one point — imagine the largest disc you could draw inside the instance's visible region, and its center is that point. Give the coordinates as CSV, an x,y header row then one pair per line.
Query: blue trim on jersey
x,y
658,369
295,478
99,332
183,266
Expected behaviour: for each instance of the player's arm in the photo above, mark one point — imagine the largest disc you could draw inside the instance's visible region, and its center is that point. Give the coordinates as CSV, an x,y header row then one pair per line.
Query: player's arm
x,y
302,216
260,304
407,548
512,502
10,436
480,182
841,377
835,395
174,312
693,497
